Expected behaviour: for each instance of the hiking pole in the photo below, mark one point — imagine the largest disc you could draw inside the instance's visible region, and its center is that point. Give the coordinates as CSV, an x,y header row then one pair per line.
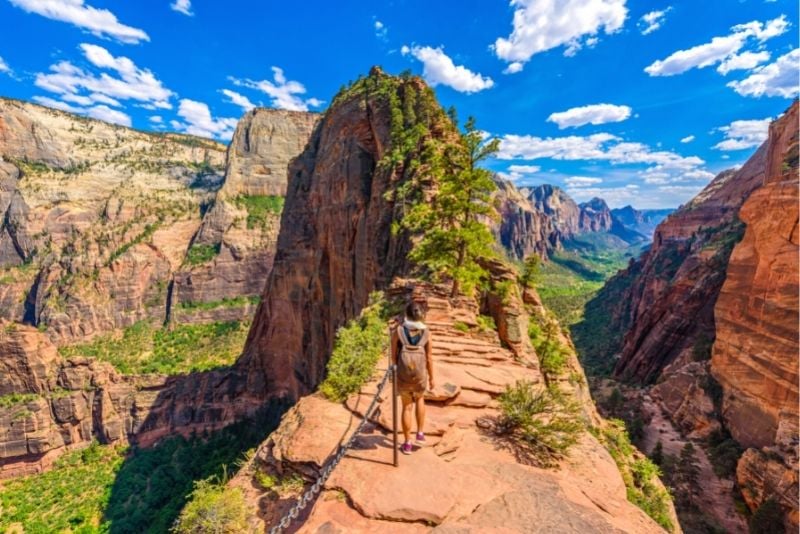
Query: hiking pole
x,y
394,410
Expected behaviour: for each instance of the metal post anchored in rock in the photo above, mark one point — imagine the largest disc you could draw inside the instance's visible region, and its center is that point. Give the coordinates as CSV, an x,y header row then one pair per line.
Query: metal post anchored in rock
x,y
394,410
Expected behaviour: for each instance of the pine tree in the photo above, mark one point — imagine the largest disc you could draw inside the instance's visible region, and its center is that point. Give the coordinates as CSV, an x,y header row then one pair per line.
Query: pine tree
x,y
657,456
454,233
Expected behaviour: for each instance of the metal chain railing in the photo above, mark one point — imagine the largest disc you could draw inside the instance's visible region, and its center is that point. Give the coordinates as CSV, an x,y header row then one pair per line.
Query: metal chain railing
x,y
311,492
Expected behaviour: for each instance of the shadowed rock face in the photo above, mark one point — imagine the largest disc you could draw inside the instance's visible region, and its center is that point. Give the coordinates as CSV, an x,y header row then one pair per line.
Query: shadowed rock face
x,y
335,244
264,143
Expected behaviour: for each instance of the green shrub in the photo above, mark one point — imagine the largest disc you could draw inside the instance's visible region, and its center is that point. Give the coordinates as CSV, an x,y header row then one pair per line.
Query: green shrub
x,y
148,231
200,254
14,399
358,347
226,302
530,270
724,453
541,422
213,508
641,476
265,480
486,323
184,348
461,326
260,208
552,355
767,519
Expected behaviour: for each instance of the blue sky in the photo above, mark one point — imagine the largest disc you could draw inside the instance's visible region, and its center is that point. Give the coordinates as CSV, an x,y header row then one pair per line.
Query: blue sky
x,y
637,102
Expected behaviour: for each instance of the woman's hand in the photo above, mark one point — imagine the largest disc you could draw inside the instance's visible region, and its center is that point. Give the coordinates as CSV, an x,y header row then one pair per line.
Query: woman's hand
x,y
431,383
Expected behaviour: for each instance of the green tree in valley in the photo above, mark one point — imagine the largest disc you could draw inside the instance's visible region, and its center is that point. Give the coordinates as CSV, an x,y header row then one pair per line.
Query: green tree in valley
x,y
453,222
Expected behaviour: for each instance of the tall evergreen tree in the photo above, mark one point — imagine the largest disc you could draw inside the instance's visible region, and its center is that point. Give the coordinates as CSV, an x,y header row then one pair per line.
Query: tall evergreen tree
x,y
453,223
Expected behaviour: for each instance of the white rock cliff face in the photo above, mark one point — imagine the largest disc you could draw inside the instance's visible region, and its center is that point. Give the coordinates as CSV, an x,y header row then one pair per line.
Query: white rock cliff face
x,y
98,220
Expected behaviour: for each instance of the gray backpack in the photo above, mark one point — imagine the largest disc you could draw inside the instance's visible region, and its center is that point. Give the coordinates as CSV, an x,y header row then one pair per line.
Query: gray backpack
x,y
412,370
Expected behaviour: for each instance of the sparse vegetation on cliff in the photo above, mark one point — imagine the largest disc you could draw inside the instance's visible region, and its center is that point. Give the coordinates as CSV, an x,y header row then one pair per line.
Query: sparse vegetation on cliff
x,y
542,423
358,347
142,348
641,476
261,209
200,254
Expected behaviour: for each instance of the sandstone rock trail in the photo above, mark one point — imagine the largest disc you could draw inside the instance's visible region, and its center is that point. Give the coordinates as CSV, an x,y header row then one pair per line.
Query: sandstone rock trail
x,y
463,479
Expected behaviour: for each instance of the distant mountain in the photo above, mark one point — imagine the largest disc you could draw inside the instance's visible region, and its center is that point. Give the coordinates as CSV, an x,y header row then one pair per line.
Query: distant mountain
x,y
643,221
544,219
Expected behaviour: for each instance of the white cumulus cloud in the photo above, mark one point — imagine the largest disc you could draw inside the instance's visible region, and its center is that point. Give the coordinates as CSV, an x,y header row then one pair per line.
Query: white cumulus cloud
x,y
540,25
99,22
285,94
198,121
381,31
128,82
653,20
515,172
743,61
776,79
4,66
592,114
438,69
718,49
238,99
743,134
101,112
182,6
582,181
687,139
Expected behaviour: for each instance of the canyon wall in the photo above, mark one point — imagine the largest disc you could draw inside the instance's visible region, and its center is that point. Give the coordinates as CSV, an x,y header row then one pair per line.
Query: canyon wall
x,y
335,244
755,355
708,317
104,226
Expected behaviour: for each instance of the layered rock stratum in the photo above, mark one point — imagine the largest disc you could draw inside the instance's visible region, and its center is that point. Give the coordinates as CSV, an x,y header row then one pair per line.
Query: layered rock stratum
x,y
713,306
104,226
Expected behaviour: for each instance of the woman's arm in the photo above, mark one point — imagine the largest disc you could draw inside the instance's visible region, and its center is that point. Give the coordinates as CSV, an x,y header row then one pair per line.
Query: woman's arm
x,y
429,358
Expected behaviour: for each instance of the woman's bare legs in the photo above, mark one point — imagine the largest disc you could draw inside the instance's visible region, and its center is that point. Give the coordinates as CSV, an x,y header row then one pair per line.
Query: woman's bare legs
x,y
406,419
420,412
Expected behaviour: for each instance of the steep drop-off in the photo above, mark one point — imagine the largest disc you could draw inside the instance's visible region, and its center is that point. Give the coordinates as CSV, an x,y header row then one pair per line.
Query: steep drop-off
x,y
720,278
755,354
103,227
336,243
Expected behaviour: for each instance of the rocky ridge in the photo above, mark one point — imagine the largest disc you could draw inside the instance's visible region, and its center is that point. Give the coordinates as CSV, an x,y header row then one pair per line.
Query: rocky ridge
x,y
474,481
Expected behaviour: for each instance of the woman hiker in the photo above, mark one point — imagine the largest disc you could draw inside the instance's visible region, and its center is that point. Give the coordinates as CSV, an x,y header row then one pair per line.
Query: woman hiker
x,y
411,353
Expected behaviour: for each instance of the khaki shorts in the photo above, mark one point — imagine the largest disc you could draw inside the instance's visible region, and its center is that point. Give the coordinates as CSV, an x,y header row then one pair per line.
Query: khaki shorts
x,y
411,396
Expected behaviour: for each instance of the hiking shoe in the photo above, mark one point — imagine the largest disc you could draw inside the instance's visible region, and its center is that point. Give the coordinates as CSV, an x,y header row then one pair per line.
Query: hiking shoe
x,y
406,448
420,438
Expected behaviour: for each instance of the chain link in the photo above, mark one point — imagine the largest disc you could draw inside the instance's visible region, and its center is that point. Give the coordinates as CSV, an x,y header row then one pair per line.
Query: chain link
x,y
303,501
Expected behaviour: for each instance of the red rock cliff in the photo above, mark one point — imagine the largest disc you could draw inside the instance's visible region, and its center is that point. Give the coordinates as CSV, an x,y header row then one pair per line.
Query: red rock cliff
x,y
755,356
335,244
